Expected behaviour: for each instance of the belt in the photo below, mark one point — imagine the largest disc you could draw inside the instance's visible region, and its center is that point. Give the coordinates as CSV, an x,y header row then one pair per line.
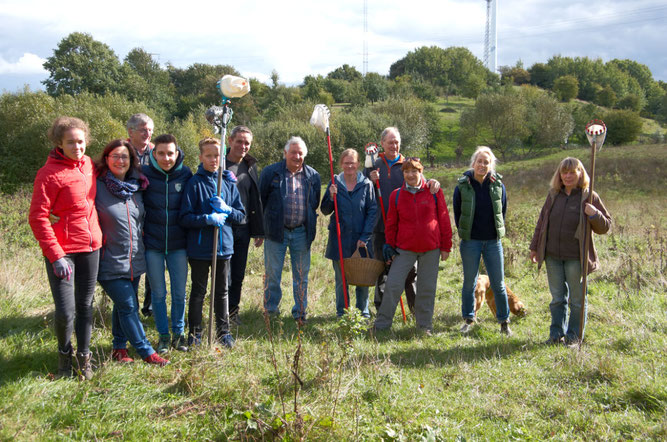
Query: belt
x,y
293,228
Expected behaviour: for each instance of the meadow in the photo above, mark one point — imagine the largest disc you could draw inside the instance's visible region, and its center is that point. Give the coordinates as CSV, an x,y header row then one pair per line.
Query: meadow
x,y
333,380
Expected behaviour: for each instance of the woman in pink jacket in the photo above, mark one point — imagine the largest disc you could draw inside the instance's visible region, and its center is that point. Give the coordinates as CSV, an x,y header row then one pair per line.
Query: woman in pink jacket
x,y
418,229
65,187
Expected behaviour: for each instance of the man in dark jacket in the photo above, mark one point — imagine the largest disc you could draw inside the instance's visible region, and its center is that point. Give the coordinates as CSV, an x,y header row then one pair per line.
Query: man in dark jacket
x,y
290,194
244,167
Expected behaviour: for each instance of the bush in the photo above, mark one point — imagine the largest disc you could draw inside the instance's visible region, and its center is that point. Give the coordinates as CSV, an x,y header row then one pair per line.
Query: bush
x,y
623,126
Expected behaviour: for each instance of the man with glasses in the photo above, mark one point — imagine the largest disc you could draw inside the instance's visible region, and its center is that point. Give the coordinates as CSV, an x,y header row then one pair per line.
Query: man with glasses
x,y
387,169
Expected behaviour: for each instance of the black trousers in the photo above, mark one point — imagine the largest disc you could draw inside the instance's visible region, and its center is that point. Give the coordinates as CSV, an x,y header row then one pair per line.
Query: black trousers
x,y
73,300
238,265
199,272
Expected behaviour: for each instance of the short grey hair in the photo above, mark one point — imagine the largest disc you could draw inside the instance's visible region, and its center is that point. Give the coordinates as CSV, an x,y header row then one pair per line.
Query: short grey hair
x,y
487,150
240,129
393,129
137,120
300,142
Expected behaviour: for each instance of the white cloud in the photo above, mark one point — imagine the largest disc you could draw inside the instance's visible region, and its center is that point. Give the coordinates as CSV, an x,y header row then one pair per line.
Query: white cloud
x,y
27,64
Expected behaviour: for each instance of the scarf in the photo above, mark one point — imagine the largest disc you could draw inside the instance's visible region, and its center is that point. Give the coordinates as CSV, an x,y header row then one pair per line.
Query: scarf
x,y
121,189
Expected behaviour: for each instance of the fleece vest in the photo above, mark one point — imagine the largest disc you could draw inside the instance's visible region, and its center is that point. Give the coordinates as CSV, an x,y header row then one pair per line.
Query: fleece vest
x,y
468,205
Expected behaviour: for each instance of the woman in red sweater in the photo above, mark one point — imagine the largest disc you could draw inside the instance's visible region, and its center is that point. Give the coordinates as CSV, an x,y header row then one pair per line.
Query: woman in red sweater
x,y
65,187
418,229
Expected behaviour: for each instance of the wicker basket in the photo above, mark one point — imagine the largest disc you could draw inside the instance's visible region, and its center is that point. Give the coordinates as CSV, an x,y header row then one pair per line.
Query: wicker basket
x,y
362,271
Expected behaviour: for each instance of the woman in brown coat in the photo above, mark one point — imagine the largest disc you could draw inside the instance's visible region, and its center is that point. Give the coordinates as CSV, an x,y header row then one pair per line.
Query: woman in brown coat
x,y
559,240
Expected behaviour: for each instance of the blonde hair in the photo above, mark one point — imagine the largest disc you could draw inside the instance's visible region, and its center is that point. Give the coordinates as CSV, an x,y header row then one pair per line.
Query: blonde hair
x,y
568,164
486,150
206,142
348,153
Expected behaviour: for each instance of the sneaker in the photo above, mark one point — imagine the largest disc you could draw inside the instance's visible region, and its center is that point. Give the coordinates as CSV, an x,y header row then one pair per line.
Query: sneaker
x,y
120,355
571,342
227,340
194,339
505,328
554,341
467,326
147,311
64,364
180,342
84,367
156,360
163,344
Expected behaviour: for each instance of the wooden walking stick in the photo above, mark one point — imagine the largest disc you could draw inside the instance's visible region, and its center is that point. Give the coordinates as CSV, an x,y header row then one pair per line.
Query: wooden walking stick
x,y
596,132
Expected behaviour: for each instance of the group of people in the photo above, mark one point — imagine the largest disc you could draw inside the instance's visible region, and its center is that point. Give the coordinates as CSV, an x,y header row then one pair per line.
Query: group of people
x,y
138,209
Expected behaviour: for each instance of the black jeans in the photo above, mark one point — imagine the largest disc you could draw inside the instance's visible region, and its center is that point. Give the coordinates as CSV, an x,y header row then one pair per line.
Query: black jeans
x,y
238,265
410,280
199,269
73,300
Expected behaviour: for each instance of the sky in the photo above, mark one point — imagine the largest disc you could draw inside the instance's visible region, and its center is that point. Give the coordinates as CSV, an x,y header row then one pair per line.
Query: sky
x,y
299,38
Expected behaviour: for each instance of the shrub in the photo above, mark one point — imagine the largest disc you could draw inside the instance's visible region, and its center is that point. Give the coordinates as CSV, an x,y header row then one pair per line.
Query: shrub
x,y
623,126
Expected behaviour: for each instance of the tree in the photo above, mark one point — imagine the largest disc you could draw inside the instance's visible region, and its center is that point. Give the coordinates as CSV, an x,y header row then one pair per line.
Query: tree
x,y
623,126
631,102
550,122
82,64
606,97
196,85
144,80
345,72
375,87
566,87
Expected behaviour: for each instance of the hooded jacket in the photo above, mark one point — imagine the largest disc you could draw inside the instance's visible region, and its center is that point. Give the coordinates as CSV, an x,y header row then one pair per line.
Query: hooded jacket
x,y
254,211
162,200
417,223
195,206
67,189
122,223
273,188
357,211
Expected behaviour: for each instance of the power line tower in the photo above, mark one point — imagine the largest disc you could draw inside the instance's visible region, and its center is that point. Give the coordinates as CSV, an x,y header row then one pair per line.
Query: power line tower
x,y
491,36
365,56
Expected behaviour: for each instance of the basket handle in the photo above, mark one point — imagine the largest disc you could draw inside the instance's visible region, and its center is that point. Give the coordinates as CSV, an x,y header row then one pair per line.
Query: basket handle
x,y
357,253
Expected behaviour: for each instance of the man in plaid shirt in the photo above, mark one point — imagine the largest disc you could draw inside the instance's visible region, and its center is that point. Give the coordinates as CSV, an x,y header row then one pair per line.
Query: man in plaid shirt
x,y
290,194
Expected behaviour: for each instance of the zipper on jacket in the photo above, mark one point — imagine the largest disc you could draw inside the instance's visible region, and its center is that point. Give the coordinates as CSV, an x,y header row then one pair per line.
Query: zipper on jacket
x,y
129,223
166,212
85,186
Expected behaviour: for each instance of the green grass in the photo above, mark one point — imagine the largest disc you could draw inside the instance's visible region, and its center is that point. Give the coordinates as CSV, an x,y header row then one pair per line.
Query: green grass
x,y
396,385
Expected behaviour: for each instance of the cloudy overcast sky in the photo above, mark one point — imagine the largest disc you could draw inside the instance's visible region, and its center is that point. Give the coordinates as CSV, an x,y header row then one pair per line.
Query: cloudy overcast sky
x,y
299,37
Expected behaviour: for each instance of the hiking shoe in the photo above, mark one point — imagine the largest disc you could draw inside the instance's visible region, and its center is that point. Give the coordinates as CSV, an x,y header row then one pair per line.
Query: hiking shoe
x,y
505,328
120,355
64,364
147,311
194,339
163,344
571,342
156,360
235,319
227,340
425,331
84,368
180,343
554,341
467,326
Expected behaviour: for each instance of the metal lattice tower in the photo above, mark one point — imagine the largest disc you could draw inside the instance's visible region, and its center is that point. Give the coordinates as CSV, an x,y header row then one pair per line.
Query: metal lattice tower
x,y
491,37
365,56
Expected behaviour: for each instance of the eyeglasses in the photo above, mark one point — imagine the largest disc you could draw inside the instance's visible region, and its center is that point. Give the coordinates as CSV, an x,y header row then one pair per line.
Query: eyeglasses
x,y
117,157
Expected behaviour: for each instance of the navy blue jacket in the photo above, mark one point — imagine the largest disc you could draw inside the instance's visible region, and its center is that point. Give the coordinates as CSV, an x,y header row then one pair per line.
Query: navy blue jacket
x,y
162,201
273,191
195,206
357,211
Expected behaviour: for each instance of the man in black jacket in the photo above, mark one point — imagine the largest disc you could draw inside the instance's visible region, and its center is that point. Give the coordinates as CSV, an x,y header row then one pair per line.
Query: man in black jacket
x,y
244,166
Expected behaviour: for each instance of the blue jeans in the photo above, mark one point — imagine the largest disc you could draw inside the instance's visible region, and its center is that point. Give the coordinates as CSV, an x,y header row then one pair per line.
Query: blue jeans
x,y
360,292
274,259
125,323
492,252
177,265
566,288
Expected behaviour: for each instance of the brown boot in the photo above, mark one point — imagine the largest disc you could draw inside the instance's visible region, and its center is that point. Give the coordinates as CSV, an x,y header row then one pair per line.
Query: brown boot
x,y
64,364
84,367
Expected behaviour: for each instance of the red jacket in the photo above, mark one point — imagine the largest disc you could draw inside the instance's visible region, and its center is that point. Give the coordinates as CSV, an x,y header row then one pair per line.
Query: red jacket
x,y
416,224
67,189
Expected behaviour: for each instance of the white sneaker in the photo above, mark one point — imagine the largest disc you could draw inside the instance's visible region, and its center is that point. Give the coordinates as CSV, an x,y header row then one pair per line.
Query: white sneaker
x,y
467,326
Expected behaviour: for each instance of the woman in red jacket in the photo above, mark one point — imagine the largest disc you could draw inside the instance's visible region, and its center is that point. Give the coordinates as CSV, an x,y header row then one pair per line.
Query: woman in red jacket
x,y
65,187
418,229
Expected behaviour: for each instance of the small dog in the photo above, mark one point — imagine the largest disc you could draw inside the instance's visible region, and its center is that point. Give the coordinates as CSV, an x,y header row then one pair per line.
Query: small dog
x,y
483,290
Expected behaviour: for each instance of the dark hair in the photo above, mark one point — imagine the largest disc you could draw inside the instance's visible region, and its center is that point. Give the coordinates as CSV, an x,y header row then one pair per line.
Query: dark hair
x,y
61,125
101,164
165,139
238,130
412,163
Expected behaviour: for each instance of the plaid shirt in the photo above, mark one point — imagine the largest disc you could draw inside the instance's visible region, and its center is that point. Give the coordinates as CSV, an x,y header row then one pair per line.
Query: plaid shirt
x,y
295,201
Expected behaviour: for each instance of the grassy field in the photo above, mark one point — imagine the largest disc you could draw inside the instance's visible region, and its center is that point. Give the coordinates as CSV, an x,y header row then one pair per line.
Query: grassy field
x,y
332,380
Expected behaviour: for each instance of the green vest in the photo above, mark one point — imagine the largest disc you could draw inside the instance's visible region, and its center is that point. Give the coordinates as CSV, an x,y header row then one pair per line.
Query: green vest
x,y
468,205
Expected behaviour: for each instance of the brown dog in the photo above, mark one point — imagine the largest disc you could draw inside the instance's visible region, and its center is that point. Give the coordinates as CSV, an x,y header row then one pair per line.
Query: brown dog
x,y
483,290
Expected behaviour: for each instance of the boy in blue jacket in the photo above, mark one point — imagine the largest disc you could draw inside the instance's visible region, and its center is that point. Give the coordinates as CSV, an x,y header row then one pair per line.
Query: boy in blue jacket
x,y
201,211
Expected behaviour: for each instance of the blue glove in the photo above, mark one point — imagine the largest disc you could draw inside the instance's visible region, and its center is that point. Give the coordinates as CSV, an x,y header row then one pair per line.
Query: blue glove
x,y
62,269
216,219
388,252
229,176
219,205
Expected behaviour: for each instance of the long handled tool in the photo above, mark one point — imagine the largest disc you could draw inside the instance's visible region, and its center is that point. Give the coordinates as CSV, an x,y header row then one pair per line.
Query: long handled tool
x,y
229,87
371,150
596,132
320,119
